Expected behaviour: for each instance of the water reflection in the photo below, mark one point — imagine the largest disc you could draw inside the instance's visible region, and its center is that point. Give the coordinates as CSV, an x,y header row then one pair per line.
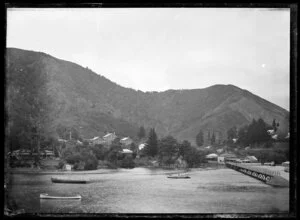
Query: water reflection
x,y
142,190
49,205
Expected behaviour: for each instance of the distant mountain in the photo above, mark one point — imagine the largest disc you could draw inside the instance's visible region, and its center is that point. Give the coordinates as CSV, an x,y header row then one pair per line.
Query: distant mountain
x,y
95,104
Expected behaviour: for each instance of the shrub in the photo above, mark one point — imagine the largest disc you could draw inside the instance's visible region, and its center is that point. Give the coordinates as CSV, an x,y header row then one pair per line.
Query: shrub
x,y
60,164
20,163
75,158
127,162
79,165
91,163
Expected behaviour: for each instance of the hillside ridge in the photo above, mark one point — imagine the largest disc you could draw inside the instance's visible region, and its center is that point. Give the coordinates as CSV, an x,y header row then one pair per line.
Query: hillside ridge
x,y
98,104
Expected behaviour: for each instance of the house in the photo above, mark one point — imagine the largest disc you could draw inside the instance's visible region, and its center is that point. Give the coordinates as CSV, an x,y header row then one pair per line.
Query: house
x,y
48,153
212,158
208,147
221,160
67,167
126,141
62,140
109,137
229,157
234,140
288,135
126,151
271,132
275,136
96,140
252,159
141,146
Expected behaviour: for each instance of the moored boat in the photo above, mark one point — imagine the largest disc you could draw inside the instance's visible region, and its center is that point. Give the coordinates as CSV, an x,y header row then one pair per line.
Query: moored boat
x,y
46,196
62,180
179,176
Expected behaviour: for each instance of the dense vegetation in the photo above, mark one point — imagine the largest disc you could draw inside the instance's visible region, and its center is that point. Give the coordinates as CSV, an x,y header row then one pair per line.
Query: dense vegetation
x,y
47,99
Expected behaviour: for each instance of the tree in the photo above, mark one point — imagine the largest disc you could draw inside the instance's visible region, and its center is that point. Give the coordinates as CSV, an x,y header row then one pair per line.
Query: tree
x,y
194,157
151,148
261,131
168,149
213,139
184,147
232,133
199,138
30,103
256,132
141,132
242,135
274,125
208,137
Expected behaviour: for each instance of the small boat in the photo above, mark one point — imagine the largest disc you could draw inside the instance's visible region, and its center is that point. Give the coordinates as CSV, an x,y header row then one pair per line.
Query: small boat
x,y
61,180
179,176
46,196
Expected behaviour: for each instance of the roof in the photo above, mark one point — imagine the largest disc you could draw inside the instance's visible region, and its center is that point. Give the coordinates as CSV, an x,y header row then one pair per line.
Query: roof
x,y
61,140
108,135
141,146
227,155
95,138
211,155
126,151
252,158
125,138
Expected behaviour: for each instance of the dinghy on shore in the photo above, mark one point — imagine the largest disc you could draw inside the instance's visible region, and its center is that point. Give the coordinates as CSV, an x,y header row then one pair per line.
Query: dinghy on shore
x,y
65,180
46,196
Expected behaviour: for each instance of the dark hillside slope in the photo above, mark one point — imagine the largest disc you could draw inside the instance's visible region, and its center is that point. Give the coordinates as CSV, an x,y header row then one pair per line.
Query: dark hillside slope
x,y
96,104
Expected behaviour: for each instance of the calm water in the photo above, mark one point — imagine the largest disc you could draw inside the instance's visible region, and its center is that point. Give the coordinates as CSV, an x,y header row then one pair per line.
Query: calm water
x,y
143,190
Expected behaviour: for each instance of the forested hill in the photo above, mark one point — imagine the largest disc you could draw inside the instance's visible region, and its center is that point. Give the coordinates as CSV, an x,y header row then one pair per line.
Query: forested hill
x,y
93,104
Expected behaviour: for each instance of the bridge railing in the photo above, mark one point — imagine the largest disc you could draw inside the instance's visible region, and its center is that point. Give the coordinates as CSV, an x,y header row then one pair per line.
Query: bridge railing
x,y
256,169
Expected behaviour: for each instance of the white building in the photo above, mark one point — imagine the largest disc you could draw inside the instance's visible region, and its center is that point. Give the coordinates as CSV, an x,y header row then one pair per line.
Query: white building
x,y
126,151
109,137
126,141
141,146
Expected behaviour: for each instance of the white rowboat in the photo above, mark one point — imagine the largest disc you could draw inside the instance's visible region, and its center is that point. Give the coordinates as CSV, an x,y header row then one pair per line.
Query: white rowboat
x,y
46,196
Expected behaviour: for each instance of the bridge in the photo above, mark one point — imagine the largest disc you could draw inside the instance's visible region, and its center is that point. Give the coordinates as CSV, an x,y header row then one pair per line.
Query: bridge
x,y
267,176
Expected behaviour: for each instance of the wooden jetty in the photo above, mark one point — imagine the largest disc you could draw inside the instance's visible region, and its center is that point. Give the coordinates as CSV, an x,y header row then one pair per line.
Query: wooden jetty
x,y
267,176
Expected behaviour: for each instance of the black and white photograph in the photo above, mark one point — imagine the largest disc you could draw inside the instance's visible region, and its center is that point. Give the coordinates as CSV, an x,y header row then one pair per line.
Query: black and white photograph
x,y
148,110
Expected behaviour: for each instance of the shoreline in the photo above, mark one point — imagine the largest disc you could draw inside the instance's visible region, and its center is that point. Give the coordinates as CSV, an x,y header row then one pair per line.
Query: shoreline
x,y
35,171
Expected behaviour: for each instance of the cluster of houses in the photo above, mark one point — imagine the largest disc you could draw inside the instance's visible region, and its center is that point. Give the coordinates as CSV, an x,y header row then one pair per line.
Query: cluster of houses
x,y
274,136
228,157
108,138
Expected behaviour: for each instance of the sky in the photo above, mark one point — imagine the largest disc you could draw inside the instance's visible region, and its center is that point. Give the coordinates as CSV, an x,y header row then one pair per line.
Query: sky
x,y
156,49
